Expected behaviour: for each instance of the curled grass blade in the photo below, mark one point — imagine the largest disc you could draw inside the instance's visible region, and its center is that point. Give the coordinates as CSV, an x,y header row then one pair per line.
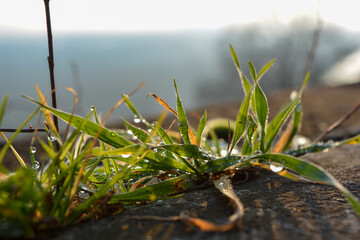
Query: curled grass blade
x,y
312,172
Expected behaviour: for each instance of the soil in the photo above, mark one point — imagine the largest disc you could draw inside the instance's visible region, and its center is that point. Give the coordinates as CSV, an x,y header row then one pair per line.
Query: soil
x,y
276,208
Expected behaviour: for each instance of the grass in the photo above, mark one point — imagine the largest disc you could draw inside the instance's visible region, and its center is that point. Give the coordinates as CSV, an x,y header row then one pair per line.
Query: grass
x,y
96,171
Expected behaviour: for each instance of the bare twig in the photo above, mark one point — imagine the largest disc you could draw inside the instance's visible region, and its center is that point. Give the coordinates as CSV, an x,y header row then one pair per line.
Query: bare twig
x,y
338,122
315,41
24,130
51,60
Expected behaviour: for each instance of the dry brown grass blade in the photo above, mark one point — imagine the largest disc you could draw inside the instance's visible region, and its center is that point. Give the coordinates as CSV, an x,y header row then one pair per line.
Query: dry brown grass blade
x,y
47,114
224,185
17,155
280,145
163,103
193,138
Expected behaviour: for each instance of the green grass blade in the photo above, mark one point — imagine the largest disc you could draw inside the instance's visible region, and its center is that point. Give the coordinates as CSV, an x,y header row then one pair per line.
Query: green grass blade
x,y
90,128
262,110
164,136
7,145
220,164
353,140
201,127
183,122
312,172
264,69
244,81
276,123
3,107
186,150
253,71
139,133
296,124
156,191
240,125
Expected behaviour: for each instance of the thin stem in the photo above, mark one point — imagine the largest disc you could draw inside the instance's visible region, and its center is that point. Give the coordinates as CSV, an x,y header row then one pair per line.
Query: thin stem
x,y
24,130
51,60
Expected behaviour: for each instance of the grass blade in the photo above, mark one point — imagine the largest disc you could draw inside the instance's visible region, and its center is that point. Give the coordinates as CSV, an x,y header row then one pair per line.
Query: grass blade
x,y
3,107
164,104
264,69
139,133
240,125
90,128
262,110
201,127
253,72
183,122
244,81
312,172
156,191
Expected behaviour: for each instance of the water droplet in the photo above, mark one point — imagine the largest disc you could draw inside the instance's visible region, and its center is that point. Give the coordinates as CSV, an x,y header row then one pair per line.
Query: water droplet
x,y
92,108
83,194
113,134
35,165
293,95
257,152
129,132
276,167
33,149
223,152
51,136
125,155
137,119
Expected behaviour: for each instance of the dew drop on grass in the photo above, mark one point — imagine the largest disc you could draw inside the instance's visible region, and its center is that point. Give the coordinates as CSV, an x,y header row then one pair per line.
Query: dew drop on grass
x,y
129,132
137,119
83,194
92,108
276,167
257,152
35,165
51,136
33,149
113,134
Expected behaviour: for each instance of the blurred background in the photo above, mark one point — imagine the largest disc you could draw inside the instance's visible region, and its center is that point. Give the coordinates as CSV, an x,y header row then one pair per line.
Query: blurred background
x,y
104,48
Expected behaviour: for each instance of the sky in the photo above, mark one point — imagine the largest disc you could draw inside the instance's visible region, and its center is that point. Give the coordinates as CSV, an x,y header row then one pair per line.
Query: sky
x,y
163,15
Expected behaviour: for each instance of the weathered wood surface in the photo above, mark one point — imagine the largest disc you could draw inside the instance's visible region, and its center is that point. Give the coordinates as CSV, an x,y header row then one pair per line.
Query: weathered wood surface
x,y
276,208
